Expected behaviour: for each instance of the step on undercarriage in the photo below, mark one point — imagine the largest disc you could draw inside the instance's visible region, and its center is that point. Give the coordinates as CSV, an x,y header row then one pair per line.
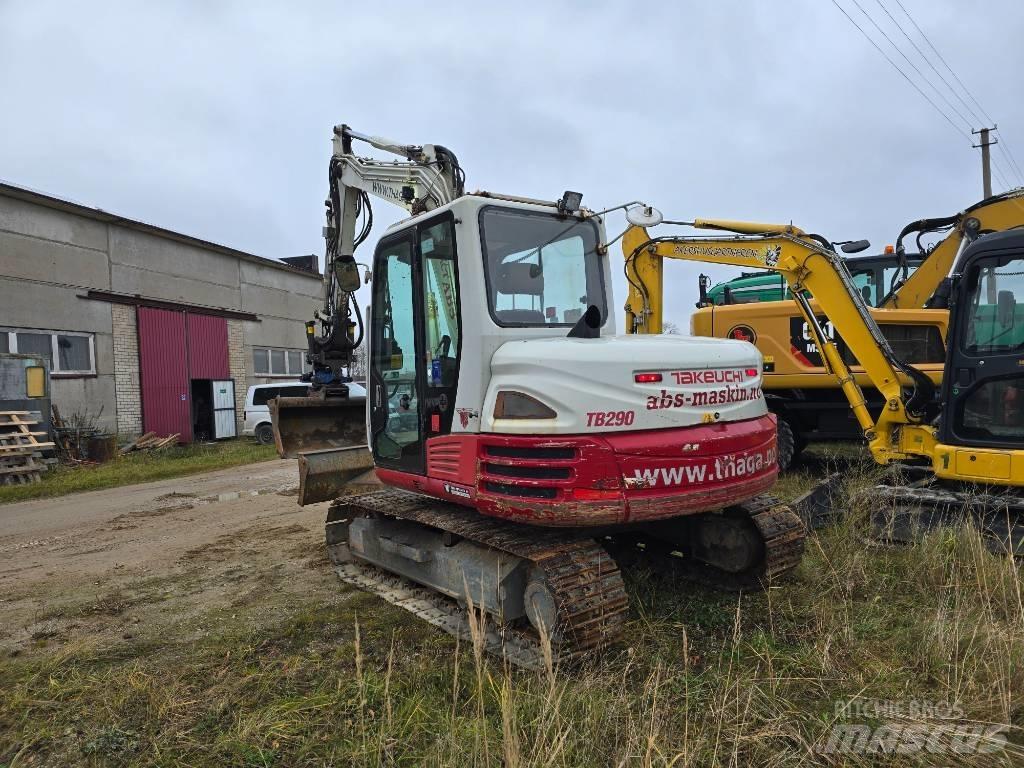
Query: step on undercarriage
x,y
547,595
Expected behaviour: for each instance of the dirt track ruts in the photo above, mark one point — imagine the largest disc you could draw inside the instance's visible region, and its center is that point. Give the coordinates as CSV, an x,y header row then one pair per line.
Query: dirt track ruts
x,y
79,565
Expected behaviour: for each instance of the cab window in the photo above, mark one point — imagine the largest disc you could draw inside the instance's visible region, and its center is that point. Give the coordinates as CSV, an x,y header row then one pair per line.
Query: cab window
x,y
542,269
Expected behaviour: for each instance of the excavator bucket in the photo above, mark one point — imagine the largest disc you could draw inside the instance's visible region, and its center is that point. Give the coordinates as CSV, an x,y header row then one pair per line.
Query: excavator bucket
x,y
328,437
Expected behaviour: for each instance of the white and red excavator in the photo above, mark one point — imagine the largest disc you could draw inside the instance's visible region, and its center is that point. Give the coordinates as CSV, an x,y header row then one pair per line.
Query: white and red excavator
x,y
525,448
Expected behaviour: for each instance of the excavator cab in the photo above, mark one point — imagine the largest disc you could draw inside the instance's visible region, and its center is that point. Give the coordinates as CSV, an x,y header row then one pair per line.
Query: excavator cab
x,y
495,381
486,267
984,388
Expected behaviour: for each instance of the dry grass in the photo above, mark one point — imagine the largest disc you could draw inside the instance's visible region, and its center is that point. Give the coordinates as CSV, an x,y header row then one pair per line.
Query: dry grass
x,y
704,678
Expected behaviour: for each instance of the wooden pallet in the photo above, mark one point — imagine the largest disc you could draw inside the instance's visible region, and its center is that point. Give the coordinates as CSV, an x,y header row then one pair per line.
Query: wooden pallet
x,y
151,442
21,454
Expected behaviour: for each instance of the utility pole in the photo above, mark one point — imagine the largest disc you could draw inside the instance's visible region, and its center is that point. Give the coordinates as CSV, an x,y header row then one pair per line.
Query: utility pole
x,y
986,168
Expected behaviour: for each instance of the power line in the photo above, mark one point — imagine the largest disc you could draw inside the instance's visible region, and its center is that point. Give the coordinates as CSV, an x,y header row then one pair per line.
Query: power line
x,y
1009,157
906,58
897,68
1005,147
954,74
928,61
1002,179
999,171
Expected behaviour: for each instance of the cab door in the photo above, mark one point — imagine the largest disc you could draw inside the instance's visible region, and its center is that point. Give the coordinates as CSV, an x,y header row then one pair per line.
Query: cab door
x,y
395,394
441,311
983,403
415,343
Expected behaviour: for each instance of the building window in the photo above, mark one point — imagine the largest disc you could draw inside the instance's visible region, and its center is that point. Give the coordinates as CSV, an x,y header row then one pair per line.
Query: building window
x,y
261,362
69,353
74,353
278,362
34,344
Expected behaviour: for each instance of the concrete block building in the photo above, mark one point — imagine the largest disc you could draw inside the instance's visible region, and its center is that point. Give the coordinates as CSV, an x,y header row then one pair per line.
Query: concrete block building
x,y
151,329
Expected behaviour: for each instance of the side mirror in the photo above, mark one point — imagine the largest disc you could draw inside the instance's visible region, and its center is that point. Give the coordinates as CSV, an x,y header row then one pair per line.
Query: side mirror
x,y
588,326
346,273
703,281
855,246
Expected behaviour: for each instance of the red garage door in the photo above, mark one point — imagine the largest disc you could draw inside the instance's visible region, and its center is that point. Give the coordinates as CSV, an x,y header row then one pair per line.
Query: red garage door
x,y
163,370
177,348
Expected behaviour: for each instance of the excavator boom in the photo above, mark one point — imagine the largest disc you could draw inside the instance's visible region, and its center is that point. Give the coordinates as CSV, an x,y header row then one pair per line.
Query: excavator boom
x,y
810,264
911,307
994,214
428,176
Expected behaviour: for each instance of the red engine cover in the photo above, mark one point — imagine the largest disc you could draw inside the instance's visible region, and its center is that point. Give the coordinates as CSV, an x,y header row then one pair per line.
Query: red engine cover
x,y
584,480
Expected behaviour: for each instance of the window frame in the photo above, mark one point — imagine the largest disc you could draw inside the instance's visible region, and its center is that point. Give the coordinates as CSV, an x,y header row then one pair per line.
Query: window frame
x,y
289,374
481,233
55,370
449,219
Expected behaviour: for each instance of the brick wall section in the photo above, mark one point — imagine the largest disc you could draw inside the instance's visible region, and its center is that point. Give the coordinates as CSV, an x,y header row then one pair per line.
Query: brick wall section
x,y
237,367
126,370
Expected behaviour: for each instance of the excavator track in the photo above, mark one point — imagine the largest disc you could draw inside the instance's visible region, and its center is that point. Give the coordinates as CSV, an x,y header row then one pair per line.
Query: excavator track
x,y
586,581
587,586
904,513
784,537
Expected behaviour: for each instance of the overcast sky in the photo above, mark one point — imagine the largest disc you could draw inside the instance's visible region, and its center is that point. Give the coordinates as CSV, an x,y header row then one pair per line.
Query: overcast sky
x,y
214,119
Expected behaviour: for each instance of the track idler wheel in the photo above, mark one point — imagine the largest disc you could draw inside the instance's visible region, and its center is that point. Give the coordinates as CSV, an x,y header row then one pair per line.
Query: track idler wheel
x,y
731,543
540,606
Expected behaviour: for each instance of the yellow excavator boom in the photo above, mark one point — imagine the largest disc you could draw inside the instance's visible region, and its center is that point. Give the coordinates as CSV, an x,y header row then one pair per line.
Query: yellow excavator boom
x,y
808,264
994,214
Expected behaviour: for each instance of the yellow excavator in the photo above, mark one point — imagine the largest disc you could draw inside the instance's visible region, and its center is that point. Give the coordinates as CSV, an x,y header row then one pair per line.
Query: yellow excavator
x,y
909,308
956,452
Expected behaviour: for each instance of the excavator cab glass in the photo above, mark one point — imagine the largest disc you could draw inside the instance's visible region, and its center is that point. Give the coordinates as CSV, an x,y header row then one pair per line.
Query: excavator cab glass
x,y
542,269
985,384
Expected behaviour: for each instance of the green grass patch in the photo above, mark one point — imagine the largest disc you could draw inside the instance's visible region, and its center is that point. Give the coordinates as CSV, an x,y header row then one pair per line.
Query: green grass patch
x,y
141,467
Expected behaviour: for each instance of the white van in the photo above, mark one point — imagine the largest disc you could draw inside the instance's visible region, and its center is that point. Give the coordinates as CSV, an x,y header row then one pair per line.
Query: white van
x,y
257,412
